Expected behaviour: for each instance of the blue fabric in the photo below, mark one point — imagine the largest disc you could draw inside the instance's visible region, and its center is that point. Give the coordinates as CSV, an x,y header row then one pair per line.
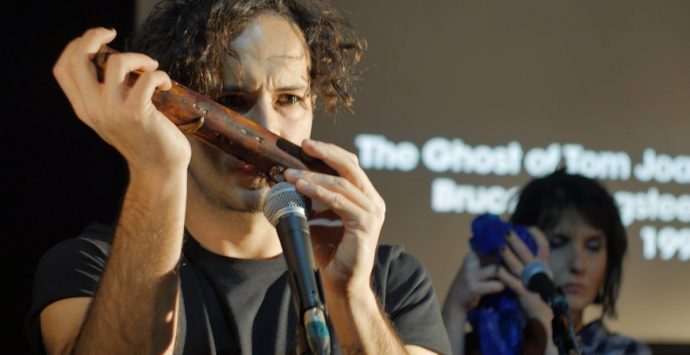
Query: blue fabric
x,y
498,320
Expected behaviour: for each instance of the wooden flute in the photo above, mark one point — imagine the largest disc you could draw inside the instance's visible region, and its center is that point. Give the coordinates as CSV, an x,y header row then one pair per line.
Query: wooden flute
x,y
227,130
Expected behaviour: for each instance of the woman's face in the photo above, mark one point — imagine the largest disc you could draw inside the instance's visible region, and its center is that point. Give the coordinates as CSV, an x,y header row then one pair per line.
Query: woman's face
x,y
578,259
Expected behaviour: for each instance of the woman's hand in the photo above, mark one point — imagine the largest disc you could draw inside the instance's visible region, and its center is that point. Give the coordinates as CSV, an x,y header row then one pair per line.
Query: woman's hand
x,y
516,255
472,282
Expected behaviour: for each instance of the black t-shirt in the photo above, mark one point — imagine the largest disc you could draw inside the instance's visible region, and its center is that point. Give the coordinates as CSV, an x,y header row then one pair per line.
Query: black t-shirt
x,y
232,306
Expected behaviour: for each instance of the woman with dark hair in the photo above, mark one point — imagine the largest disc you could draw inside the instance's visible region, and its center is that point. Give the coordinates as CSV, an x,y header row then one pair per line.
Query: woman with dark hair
x,y
587,242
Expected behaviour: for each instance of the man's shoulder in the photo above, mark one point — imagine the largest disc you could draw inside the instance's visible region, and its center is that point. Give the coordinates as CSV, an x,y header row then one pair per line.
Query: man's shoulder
x,y
98,233
91,245
398,271
71,268
389,251
406,293
95,236
396,257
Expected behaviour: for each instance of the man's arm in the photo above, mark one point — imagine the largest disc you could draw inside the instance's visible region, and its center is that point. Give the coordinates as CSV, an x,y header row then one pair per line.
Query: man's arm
x,y
61,322
134,309
135,306
363,328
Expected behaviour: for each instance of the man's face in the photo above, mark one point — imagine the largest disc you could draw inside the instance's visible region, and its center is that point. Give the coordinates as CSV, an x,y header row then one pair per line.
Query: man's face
x,y
268,82
578,259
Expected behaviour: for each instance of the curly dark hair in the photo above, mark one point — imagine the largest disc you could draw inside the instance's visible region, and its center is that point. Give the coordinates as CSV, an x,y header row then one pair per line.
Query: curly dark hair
x,y
545,200
190,38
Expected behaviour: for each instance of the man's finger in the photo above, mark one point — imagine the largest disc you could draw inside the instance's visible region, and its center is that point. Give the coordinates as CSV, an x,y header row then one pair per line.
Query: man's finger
x,y
343,162
82,71
117,71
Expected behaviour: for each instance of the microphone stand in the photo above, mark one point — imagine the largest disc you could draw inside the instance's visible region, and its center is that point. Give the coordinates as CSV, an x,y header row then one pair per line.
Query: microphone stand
x,y
564,337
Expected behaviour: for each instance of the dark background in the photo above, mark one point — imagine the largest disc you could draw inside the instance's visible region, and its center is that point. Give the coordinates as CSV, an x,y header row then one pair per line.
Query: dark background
x,y
58,176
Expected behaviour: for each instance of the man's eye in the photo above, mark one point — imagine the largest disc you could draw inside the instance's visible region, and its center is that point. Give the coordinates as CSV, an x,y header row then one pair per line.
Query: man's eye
x,y
288,99
234,102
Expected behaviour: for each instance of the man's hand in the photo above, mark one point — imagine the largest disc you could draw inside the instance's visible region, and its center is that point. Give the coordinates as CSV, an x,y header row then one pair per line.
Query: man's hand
x,y
346,261
123,116
345,264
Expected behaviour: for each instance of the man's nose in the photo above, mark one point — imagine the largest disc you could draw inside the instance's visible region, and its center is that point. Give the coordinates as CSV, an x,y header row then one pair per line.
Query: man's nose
x,y
264,113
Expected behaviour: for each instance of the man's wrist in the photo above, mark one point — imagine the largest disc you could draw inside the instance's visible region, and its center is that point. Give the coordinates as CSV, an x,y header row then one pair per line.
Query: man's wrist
x,y
361,298
157,172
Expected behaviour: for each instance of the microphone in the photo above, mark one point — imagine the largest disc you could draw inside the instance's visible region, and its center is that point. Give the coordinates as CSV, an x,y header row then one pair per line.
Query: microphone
x,y
286,210
537,278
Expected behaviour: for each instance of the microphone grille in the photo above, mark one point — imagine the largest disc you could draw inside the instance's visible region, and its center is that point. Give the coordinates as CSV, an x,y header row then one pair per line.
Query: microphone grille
x,y
280,199
532,269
